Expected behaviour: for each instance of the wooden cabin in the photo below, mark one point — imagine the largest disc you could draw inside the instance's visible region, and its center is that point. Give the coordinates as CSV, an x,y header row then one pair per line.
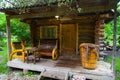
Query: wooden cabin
x,y
71,26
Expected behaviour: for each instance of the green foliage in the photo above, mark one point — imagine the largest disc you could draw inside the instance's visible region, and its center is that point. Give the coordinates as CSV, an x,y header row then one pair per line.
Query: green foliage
x,y
118,78
2,22
118,7
109,59
2,29
117,65
21,74
19,31
108,33
30,73
1,49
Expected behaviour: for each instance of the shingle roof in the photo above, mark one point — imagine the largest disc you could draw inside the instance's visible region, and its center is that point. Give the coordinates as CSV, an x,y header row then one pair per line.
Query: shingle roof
x,y
50,7
7,4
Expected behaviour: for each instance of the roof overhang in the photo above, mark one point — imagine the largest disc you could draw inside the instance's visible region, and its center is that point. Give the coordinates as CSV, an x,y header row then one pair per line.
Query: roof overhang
x,y
85,7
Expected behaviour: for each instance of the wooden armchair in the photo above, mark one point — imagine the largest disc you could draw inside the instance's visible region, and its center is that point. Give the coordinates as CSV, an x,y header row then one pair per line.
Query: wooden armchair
x,y
48,47
18,50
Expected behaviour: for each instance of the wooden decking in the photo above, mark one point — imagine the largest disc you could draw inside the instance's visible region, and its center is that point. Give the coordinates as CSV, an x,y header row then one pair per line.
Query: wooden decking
x,y
66,66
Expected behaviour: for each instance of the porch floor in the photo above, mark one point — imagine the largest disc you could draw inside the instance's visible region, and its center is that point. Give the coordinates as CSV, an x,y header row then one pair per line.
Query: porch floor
x,y
66,65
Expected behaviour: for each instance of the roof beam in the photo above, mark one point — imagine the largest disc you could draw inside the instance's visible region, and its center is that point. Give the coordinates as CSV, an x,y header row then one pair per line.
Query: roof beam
x,y
61,12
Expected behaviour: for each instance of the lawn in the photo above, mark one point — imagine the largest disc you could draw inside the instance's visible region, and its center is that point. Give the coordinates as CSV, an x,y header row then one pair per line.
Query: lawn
x,y
3,61
117,65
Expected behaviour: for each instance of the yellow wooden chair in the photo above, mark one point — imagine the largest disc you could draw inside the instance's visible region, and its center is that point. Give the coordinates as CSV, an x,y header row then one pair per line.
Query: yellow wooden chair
x,y
18,50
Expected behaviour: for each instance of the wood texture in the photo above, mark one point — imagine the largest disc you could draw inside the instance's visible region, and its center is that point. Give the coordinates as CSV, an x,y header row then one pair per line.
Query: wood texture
x,y
68,41
8,29
70,65
86,32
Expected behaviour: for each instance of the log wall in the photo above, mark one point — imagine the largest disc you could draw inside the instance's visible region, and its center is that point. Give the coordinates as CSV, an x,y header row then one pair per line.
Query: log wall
x,y
99,33
86,32
35,33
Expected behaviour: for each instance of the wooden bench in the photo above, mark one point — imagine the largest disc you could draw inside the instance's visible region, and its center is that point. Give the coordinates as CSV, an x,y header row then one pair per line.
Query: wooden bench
x,y
48,47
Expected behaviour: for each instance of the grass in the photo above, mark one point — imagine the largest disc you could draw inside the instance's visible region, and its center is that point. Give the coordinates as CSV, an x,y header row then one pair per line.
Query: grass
x,y
118,78
21,74
29,73
117,65
4,59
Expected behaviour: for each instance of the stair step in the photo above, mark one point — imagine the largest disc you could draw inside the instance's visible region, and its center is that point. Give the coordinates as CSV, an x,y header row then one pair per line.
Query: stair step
x,y
54,74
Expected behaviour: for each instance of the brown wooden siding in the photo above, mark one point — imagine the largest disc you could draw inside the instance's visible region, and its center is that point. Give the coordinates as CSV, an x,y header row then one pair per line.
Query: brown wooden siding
x,y
35,34
86,32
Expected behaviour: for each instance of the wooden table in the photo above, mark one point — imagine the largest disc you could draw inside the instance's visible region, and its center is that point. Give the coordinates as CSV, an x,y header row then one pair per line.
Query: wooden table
x,y
33,53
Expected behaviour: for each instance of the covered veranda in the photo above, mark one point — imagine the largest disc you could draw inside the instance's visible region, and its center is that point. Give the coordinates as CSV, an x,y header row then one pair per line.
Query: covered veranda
x,y
72,67
63,68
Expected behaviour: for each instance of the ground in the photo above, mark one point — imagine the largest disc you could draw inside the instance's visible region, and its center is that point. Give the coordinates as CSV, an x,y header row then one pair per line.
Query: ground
x,y
18,76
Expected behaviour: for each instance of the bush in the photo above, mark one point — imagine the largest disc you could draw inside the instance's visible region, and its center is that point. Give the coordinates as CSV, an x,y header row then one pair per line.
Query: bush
x,y
1,49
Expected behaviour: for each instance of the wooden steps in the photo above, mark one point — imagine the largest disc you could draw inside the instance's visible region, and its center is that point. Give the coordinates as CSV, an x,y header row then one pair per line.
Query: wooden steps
x,y
54,74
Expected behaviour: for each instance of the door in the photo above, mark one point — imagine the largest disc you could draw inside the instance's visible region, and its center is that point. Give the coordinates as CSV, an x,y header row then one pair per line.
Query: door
x,y
68,39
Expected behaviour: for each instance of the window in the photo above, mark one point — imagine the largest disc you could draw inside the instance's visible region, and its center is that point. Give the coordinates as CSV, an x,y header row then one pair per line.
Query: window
x,y
48,32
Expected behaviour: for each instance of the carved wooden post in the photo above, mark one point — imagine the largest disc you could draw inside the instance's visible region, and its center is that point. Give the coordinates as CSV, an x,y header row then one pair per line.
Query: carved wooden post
x,y
8,35
99,33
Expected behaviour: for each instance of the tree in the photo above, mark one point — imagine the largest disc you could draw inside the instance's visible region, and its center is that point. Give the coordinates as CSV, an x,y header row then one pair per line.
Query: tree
x,y
2,29
19,31
109,30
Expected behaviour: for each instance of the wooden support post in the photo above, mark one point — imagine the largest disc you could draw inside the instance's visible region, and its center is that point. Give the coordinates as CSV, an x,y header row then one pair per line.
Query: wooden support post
x,y
58,36
8,35
99,36
77,45
60,39
114,38
32,32
31,36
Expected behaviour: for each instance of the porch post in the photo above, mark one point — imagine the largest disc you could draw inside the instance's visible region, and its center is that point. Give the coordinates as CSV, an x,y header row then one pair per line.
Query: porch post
x,y
99,33
8,35
114,38
77,43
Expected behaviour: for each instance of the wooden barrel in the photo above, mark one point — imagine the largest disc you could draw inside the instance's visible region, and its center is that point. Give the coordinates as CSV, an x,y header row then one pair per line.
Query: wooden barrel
x,y
88,60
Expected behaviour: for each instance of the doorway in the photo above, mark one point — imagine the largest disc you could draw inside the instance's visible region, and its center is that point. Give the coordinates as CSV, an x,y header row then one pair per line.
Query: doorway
x,y
68,39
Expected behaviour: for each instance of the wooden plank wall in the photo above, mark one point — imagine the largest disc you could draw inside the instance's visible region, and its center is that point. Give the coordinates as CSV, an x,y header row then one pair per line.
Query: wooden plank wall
x,y
35,33
86,32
